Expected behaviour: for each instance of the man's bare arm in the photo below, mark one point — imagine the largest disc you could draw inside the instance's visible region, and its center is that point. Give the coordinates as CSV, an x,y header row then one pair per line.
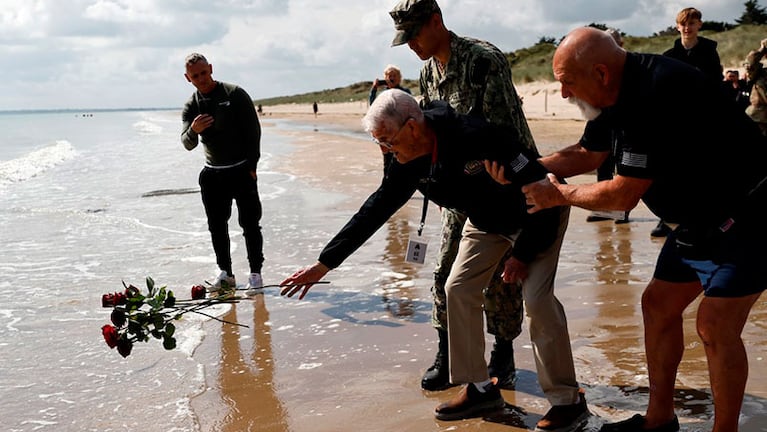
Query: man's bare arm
x,y
572,160
620,193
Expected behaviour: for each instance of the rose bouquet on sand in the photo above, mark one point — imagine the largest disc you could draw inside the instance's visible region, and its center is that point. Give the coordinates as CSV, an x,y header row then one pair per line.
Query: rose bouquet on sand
x,y
139,317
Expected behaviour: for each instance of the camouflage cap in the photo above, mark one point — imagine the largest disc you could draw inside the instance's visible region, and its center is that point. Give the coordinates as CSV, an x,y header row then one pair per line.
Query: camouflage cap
x,y
409,16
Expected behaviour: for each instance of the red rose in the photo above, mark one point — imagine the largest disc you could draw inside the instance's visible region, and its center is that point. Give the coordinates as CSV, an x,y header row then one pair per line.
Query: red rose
x,y
113,299
198,292
108,300
110,335
121,298
124,347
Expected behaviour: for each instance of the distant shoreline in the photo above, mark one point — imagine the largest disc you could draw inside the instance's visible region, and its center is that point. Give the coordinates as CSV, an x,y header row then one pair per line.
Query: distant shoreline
x,y
541,100
81,110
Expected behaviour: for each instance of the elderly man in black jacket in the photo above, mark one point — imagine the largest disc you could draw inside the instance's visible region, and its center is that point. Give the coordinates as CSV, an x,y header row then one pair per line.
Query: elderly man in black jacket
x,y
431,155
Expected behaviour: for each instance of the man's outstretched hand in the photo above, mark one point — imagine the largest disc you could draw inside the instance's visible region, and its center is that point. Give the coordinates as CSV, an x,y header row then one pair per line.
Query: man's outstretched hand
x,y
303,280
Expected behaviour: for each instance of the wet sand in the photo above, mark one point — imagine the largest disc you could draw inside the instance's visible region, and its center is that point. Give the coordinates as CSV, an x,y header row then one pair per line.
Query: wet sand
x,y
349,357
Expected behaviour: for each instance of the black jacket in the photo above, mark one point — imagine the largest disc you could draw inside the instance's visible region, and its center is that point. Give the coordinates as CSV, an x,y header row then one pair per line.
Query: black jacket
x,y
455,178
703,56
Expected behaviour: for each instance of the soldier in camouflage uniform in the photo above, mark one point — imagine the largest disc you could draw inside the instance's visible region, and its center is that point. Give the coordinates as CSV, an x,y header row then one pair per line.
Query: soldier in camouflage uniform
x,y
474,76
757,80
493,95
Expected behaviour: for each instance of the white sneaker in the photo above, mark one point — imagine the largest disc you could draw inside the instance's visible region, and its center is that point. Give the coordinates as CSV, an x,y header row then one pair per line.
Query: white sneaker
x,y
255,285
223,281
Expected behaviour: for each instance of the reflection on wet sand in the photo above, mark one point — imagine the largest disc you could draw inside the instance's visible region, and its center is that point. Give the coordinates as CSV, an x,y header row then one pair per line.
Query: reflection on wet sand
x,y
247,385
620,322
613,259
398,287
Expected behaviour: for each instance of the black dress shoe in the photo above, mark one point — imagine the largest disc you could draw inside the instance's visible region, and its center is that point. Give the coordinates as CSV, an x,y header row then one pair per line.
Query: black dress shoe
x,y
565,418
470,402
636,424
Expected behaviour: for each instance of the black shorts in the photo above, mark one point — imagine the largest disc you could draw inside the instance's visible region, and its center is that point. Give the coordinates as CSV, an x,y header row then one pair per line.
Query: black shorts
x,y
735,270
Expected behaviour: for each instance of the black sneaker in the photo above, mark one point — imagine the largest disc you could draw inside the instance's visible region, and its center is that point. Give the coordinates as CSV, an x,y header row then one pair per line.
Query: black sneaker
x,y
470,402
565,418
660,230
623,220
636,424
596,218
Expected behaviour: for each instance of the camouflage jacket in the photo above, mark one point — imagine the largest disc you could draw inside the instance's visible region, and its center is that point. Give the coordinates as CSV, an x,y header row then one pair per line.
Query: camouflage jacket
x,y
452,83
757,75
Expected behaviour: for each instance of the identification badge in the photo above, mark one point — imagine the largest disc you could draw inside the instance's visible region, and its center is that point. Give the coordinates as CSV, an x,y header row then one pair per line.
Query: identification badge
x,y
416,251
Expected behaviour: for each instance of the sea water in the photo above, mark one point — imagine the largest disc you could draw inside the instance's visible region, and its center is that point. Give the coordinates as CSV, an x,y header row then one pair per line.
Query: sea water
x,y
89,201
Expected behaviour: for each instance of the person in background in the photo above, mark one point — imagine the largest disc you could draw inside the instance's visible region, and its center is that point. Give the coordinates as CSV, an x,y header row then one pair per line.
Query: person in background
x,y
736,88
757,79
697,51
474,77
696,177
224,118
315,108
392,80
607,169
693,49
431,156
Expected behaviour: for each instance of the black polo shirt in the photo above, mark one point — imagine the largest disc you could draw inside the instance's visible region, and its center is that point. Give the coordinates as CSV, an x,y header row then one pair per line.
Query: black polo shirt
x,y
676,128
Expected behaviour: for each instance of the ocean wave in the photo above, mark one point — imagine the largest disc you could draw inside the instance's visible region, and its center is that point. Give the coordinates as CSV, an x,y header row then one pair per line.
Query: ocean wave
x,y
147,127
36,162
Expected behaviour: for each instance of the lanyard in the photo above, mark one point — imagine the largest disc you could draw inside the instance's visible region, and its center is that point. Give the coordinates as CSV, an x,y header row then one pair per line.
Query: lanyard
x,y
426,191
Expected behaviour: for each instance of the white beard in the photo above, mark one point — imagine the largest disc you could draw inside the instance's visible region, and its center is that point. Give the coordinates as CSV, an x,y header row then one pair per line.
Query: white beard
x,y
588,111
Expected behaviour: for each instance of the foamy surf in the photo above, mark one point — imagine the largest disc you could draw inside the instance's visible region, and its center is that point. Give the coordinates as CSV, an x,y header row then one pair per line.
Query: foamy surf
x,y
36,162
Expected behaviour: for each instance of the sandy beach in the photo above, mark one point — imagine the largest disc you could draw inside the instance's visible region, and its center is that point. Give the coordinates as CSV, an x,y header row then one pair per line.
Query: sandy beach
x,y
349,357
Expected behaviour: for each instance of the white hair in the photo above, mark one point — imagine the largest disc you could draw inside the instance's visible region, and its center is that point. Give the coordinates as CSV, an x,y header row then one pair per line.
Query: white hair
x,y
392,68
390,110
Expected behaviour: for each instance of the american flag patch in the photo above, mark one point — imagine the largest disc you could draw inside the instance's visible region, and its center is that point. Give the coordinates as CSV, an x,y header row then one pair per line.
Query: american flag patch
x,y
634,160
519,163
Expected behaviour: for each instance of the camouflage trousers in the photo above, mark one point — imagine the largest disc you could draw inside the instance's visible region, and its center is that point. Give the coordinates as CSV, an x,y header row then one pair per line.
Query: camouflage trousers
x,y
504,311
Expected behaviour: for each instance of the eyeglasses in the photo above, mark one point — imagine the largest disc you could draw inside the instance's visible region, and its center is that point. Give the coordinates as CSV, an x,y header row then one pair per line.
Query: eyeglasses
x,y
388,144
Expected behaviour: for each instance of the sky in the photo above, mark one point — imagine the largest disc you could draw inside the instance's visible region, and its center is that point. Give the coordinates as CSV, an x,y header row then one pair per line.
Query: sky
x,y
94,54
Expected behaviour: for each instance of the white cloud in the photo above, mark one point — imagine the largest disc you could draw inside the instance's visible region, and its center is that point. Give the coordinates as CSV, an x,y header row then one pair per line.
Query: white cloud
x,y
129,53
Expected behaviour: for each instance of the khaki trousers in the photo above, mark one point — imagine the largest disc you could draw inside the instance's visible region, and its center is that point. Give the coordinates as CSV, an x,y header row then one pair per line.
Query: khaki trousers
x,y
478,257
